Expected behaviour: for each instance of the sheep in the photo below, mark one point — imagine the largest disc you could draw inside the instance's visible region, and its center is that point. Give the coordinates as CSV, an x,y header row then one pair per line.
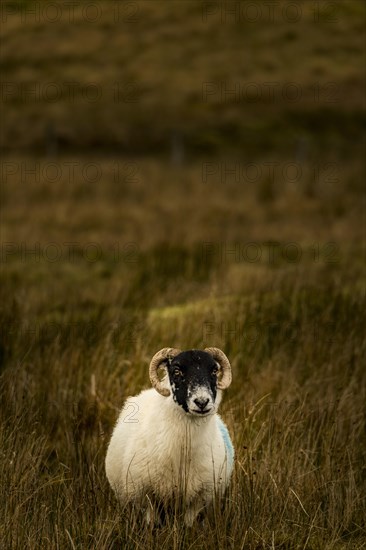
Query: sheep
x,y
169,444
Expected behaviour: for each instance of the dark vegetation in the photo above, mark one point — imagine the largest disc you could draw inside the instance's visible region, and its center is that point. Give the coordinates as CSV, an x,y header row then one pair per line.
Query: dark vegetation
x,y
172,230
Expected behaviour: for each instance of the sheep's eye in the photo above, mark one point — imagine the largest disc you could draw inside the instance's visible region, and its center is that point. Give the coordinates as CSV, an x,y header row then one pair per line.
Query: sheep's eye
x,y
215,371
177,372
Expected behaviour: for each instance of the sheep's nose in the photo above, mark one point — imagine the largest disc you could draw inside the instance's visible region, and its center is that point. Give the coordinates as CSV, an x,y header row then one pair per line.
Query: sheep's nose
x,y
201,403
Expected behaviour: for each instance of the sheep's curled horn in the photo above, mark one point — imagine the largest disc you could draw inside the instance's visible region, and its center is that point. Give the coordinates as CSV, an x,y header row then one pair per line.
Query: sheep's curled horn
x,y
169,353
224,363
159,358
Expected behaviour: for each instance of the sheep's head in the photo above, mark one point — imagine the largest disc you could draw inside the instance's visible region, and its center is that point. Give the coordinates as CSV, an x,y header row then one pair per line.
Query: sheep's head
x,y
193,378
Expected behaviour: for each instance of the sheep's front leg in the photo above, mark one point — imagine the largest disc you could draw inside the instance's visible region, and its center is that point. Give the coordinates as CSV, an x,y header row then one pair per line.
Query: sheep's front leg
x,y
193,510
155,513
149,515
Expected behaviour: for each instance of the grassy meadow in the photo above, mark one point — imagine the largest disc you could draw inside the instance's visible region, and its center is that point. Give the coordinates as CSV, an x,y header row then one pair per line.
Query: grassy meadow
x,y
188,221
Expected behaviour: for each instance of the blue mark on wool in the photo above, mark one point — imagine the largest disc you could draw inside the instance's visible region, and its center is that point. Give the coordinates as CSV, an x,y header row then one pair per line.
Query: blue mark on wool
x,y
227,441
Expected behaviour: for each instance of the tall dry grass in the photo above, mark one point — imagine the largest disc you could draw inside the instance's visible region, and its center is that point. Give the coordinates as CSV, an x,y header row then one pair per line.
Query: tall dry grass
x,y
190,241
78,333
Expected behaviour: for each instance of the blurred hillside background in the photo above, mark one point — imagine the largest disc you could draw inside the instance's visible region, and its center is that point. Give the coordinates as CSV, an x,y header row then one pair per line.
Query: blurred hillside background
x,y
184,174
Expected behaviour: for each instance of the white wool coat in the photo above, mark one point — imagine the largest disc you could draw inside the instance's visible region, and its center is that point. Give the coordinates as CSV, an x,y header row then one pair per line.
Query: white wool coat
x,y
156,448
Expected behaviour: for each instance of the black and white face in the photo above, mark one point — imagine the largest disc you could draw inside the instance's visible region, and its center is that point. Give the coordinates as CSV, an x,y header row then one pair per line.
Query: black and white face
x,y
193,380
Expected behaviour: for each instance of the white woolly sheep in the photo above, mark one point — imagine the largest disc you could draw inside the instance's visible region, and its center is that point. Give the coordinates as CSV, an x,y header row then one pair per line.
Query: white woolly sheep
x,y
169,443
